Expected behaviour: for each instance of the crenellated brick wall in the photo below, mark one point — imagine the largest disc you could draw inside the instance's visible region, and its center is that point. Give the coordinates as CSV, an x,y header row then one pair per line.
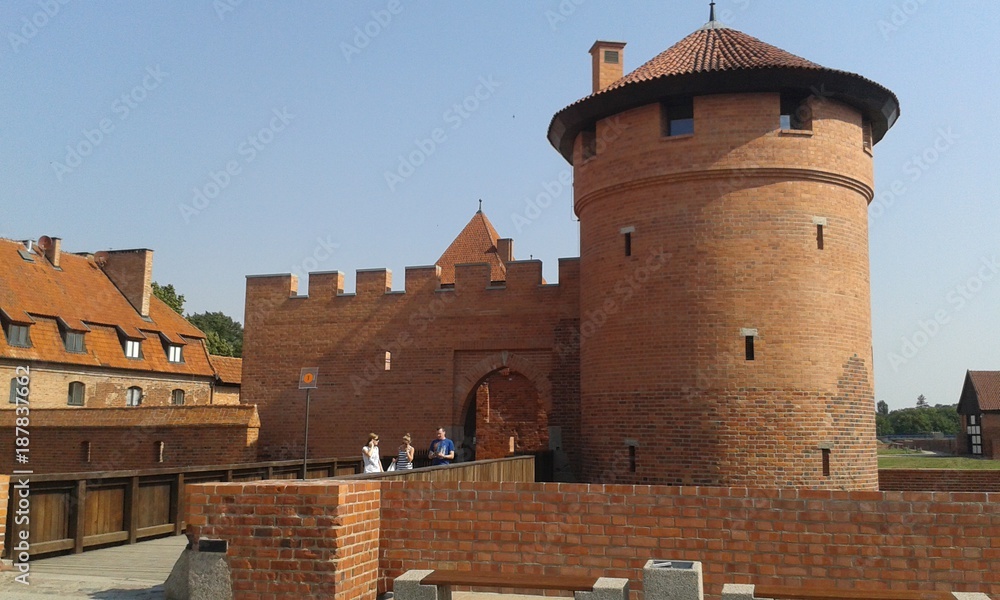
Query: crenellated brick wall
x,y
939,480
311,538
97,439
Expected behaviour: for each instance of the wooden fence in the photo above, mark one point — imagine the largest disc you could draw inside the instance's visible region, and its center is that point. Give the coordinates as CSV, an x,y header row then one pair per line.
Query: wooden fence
x,y
79,511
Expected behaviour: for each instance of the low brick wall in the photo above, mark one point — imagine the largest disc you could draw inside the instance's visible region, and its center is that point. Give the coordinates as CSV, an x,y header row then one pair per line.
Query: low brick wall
x,y
97,439
319,539
293,540
939,480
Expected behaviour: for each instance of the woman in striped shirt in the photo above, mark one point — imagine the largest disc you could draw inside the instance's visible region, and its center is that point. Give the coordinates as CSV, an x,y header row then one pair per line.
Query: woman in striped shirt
x,y
404,460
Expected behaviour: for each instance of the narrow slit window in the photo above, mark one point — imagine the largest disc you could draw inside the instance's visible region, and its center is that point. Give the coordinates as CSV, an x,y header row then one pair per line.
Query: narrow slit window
x,y
866,135
819,236
749,347
631,459
628,244
85,451
160,446
388,361
826,462
677,118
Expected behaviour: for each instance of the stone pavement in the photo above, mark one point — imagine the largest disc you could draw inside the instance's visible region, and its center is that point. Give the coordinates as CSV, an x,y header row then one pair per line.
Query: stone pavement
x,y
135,572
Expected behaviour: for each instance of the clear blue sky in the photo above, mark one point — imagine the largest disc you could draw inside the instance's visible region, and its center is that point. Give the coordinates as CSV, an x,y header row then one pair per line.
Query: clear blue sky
x,y
308,115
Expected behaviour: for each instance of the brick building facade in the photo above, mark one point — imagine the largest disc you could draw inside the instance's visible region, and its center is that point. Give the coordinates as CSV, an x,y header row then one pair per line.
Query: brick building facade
x,y
715,330
979,411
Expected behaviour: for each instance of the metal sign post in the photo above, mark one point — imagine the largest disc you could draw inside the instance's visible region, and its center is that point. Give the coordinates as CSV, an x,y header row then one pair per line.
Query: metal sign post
x,y
308,380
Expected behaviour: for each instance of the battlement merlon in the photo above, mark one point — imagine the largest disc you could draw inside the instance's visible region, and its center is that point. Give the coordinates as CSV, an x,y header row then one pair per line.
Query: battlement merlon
x,y
371,282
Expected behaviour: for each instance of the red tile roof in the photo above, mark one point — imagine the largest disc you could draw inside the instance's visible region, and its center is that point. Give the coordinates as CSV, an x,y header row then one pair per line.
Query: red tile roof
x,y
228,370
82,297
987,386
477,243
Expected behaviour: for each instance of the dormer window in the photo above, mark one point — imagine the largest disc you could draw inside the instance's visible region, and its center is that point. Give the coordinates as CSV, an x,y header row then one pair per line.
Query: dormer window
x,y
73,341
133,349
17,335
175,354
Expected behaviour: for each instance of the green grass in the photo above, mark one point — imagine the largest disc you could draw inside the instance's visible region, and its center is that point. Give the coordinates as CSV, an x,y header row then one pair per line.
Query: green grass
x,y
890,459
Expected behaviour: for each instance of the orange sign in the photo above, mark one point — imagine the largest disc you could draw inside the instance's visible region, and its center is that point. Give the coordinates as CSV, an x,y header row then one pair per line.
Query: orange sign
x,y
309,378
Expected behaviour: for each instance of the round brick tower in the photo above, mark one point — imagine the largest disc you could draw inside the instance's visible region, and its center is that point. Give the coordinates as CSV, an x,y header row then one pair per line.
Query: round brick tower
x,y
725,323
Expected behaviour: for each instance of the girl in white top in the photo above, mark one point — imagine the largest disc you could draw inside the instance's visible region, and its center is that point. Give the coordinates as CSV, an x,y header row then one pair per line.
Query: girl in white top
x,y
370,455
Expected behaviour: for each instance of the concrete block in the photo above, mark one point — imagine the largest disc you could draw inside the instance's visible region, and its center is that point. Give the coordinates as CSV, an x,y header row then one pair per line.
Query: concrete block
x,y
737,591
672,580
199,576
970,596
408,587
606,588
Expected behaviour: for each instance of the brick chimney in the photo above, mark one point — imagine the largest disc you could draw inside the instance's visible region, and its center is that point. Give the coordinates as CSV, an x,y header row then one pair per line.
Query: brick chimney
x,y
505,250
608,60
53,251
132,273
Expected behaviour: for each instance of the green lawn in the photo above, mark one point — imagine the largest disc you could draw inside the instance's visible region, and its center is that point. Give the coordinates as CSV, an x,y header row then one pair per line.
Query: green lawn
x,y
893,459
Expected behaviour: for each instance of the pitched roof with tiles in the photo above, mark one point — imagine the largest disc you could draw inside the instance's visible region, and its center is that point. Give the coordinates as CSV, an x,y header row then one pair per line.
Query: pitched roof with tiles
x,y
228,370
986,385
718,59
477,243
78,296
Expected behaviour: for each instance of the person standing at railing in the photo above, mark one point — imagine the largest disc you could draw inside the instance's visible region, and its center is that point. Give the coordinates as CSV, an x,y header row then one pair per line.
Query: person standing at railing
x,y
370,455
404,459
442,450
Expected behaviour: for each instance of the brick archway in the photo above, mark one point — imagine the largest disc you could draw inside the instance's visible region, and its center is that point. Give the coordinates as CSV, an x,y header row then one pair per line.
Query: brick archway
x,y
467,382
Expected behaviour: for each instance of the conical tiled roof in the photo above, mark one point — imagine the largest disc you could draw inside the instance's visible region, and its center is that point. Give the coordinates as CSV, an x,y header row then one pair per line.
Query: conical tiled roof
x,y
716,59
477,243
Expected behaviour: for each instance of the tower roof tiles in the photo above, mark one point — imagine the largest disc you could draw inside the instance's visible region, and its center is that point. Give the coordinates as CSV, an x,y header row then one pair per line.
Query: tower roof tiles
x,y
476,243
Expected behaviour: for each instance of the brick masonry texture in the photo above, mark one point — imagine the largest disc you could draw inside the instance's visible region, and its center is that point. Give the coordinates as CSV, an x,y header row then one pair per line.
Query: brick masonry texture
x,y
938,480
128,438
332,538
724,240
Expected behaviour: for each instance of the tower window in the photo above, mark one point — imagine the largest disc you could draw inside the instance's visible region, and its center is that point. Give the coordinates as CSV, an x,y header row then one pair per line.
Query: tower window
x,y
826,462
85,448
388,360
611,57
748,336
677,117
75,396
819,237
589,138
795,113
160,447
866,135
631,459
627,233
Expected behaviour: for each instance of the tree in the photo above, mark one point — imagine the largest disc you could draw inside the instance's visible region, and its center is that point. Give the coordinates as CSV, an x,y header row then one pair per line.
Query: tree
x,y
169,296
883,408
922,401
223,335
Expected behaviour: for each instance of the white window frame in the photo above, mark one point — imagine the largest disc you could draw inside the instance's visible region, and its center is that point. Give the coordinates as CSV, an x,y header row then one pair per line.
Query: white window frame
x,y
175,354
133,396
133,349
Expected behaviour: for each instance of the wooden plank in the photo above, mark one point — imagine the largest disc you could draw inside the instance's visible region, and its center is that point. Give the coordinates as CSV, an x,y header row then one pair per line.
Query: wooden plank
x,y
145,532
105,538
78,518
177,504
130,509
778,592
52,546
520,581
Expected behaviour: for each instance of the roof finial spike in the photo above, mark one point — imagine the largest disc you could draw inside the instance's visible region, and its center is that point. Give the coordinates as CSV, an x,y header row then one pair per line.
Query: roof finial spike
x,y
480,205
711,11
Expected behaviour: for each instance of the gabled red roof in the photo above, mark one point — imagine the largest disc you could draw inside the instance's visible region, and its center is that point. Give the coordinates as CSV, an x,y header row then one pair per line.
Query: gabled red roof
x,y
987,387
79,296
477,243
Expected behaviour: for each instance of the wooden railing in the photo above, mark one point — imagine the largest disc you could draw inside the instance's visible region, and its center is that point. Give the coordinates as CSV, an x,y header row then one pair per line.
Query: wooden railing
x,y
79,511
514,468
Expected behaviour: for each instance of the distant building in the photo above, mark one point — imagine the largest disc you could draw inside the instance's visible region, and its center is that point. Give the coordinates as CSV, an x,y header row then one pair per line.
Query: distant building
x,y
979,408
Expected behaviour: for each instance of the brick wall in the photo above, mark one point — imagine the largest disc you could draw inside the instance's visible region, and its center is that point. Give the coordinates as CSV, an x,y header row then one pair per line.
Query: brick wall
x,y
443,343
723,239
293,540
939,480
508,406
128,438
104,388
855,540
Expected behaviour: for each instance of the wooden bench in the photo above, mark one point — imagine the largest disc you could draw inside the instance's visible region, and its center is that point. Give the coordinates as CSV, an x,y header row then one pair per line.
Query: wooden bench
x,y
437,584
778,592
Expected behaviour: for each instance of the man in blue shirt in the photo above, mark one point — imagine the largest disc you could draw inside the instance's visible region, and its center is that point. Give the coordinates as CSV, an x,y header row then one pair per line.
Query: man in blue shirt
x,y
442,450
